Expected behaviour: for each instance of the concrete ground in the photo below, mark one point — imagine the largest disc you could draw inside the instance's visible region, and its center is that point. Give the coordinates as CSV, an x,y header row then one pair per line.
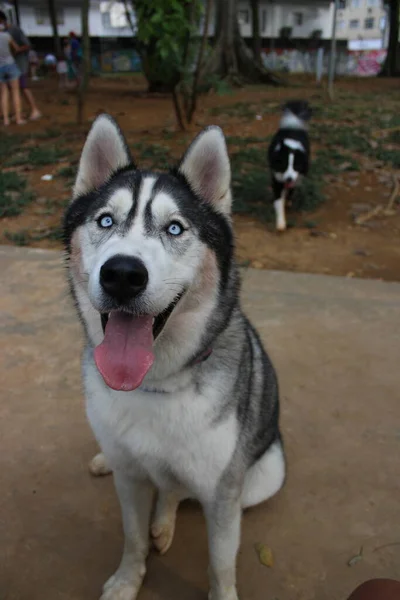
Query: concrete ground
x,y
336,345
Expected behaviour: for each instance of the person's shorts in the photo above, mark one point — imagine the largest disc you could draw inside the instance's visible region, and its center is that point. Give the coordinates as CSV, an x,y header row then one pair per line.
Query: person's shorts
x,y
9,73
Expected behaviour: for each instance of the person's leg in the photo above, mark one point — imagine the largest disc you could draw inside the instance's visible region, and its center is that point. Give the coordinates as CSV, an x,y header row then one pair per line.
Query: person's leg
x,y
5,103
35,112
14,84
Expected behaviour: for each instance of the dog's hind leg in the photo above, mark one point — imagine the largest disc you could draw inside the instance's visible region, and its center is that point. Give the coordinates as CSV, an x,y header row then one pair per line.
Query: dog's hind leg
x,y
279,206
266,477
98,466
163,525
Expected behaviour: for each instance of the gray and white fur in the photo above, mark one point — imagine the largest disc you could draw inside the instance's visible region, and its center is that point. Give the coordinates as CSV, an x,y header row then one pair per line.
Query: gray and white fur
x,y
203,422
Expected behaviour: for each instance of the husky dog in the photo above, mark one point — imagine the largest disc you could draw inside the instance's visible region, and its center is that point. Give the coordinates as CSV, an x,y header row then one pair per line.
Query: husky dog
x,y
180,394
289,155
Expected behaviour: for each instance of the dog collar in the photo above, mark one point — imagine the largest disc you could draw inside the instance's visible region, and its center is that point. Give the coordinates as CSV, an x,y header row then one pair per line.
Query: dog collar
x,y
201,357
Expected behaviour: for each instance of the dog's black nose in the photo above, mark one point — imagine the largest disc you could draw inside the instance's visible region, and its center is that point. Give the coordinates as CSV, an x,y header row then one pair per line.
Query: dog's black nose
x,y
123,277
289,180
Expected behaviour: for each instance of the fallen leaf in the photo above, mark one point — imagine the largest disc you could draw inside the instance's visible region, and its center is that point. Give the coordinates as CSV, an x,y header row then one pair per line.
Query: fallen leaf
x,y
265,555
355,559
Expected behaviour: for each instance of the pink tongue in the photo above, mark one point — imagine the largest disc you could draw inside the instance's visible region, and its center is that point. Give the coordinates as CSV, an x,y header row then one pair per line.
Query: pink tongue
x,y
125,355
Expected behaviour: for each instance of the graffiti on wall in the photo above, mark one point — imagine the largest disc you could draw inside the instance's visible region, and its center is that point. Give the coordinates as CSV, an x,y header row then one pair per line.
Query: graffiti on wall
x,y
366,63
120,61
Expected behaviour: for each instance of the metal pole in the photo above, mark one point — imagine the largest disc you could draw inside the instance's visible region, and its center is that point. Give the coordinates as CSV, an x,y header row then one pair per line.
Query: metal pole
x,y
332,57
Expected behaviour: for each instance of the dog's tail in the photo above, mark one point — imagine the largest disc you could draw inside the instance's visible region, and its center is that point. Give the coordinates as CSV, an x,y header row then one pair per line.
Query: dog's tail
x,y
296,114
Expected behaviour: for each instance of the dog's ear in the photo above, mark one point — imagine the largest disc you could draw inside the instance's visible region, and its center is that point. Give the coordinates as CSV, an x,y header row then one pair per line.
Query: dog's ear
x,y
105,151
206,168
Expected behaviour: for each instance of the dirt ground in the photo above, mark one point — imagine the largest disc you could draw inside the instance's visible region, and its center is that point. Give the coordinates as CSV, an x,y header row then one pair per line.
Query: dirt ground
x,y
326,240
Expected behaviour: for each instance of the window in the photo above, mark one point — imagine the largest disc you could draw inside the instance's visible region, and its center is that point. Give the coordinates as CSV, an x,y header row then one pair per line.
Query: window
x,y
373,2
298,18
382,23
342,4
42,16
355,3
106,20
369,23
340,24
264,20
354,23
244,17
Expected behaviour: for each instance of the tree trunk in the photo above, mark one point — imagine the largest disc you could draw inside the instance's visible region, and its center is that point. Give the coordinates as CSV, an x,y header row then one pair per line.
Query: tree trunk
x,y
54,26
255,13
17,14
195,86
391,66
85,65
231,59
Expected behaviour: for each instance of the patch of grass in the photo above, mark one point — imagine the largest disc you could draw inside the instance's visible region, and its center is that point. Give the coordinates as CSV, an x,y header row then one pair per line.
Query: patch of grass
x,y
252,194
394,137
67,172
8,143
391,156
13,194
154,156
239,109
54,234
249,156
19,238
236,140
48,134
345,137
327,162
39,156
308,196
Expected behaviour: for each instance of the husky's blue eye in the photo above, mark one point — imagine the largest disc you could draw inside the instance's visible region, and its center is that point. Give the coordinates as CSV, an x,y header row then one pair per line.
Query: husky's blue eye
x,y
175,228
105,221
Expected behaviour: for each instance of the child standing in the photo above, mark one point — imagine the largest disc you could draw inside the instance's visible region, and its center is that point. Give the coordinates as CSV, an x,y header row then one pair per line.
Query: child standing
x,y
9,76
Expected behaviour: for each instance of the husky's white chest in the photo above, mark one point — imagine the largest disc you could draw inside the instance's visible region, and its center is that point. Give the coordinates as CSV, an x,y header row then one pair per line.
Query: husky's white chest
x,y
168,437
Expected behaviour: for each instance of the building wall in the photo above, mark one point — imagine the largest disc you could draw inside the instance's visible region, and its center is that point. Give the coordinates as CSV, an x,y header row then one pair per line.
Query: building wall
x,y
70,20
353,19
302,17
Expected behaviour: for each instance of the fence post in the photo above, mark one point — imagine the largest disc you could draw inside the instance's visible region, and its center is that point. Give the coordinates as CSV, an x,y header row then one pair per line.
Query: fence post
x,y
320,64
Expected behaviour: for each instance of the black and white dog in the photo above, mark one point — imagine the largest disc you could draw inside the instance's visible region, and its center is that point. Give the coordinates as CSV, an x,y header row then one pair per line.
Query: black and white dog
x,y
288,155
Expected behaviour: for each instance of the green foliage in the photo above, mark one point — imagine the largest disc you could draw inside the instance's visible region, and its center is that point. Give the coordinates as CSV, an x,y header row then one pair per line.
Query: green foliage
x,y
8,143
47,134
236,140
13,194
67,172
38,155
19,238
238,109
152,156
164,31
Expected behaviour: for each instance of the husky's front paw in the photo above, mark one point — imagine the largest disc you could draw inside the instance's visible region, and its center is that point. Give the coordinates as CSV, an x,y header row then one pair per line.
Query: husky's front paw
x,y
163,527
98,466
162,535
226,594
123,586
